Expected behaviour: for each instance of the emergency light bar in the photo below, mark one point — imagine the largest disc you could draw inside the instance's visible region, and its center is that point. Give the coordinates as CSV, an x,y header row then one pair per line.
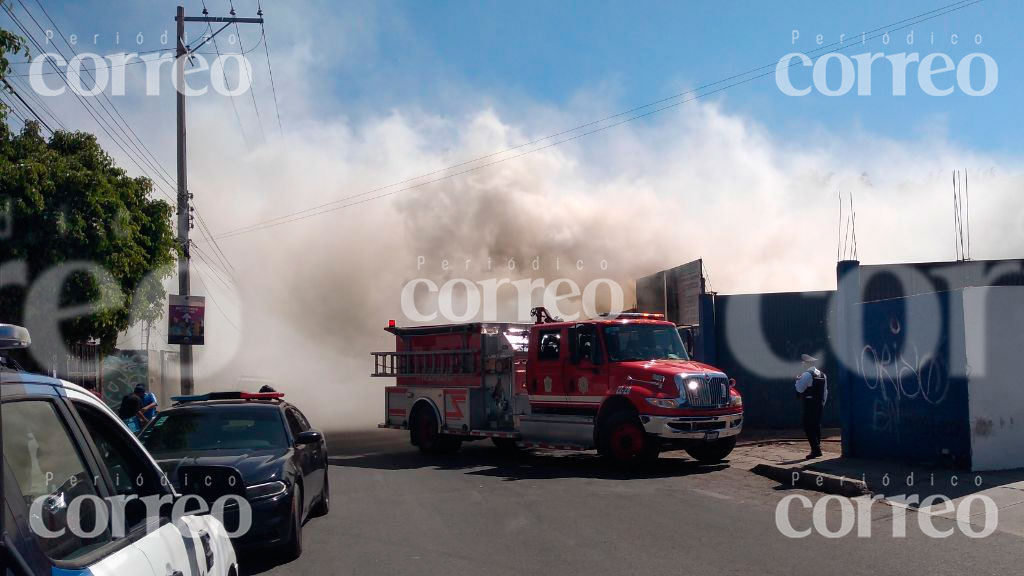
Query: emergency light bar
x,y
628,315
228,396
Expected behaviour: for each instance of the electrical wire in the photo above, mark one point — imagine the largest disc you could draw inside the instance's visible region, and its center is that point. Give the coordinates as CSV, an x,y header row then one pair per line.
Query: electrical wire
x,y
86,104
270,69
252,83
133,138
133,62
630,116
11,108
209,295
234,106
37,100
26,105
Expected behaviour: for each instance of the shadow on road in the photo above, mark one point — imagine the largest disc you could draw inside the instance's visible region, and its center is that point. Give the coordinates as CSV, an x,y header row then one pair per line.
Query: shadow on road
x,y
527,464
258,562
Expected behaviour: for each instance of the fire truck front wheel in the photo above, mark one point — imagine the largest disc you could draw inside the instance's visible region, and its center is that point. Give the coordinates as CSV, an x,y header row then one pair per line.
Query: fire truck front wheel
x,y
423,434
624,441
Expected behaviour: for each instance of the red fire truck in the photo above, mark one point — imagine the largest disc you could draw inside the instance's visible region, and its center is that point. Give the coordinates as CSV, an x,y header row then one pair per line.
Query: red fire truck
x,y
623,385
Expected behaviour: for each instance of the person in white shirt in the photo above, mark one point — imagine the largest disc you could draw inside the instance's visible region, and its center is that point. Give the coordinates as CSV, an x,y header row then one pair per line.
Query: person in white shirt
x,y
812,389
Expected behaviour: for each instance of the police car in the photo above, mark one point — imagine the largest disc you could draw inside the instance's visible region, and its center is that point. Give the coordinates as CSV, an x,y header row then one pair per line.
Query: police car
x,y
279,459
74,481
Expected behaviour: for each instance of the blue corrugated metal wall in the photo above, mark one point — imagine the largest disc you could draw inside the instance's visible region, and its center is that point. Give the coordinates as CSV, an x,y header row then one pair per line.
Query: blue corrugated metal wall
x,y
904,402
792,323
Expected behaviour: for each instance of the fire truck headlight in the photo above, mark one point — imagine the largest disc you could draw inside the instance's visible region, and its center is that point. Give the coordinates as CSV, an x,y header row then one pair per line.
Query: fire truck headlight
x,y
734,397
268,490
669,403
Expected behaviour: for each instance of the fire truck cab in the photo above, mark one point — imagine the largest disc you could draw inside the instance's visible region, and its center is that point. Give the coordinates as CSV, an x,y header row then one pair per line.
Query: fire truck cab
x,y
623,385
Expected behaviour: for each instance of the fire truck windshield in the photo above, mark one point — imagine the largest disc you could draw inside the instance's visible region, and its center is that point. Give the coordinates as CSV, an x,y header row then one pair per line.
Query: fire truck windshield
x,y
627,342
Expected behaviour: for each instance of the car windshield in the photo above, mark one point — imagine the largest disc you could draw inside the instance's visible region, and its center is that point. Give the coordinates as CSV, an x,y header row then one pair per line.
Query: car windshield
x,y
627,342
212,428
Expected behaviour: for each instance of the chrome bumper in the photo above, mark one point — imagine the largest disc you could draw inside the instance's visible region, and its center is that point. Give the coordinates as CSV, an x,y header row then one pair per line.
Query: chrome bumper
x,y
693,427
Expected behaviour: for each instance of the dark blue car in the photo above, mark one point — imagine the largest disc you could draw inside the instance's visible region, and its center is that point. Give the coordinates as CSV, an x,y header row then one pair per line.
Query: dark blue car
x,y
267,442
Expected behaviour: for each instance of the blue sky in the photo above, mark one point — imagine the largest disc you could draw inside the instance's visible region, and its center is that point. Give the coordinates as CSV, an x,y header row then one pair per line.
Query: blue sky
x,y
643,51
382,55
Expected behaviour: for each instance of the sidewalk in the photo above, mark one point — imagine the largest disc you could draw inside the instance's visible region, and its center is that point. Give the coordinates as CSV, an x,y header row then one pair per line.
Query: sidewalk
x,y
897,484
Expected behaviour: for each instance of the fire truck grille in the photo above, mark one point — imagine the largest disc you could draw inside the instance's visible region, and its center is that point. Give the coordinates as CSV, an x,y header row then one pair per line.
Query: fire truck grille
x,y
711,393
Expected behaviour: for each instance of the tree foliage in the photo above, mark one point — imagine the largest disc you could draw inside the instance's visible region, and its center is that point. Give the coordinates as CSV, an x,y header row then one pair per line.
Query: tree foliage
x,y
64,200
9,44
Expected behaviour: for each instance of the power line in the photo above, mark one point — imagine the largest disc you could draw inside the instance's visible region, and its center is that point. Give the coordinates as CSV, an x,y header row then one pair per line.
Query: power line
x,y
89,108
252,82
134,62
220,273
26,105
37,100
209,295
630,115
204,229
238,118
273,87
124,126
9,104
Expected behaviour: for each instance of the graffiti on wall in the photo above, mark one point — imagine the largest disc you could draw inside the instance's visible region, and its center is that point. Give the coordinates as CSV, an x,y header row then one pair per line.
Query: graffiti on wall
x,y
900,375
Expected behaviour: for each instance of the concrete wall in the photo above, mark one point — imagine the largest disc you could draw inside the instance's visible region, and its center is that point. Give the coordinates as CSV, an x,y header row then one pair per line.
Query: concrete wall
x,y
994,324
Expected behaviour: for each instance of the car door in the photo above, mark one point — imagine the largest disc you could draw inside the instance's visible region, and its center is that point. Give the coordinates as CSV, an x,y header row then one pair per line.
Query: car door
x,y
319,451
51,473
306,456
184,547
546,381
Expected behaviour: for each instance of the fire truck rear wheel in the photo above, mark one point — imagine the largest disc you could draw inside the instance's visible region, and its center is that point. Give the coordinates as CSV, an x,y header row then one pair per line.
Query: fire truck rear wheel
x,y
505,445
712,452
423,433
624,440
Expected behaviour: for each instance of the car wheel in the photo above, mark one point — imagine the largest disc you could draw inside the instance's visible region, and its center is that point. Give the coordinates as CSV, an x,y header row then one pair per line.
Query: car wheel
x,y
323,506
294,547
712,452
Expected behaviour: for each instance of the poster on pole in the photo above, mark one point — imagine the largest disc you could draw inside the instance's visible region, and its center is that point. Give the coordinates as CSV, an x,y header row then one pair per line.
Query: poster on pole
x,y
186,320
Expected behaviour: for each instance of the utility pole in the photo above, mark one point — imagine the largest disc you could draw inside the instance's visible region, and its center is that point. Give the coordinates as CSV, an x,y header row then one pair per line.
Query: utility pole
x,y
184,204
183,53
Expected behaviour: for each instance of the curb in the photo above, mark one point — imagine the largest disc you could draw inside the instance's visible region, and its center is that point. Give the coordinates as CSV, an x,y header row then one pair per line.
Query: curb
x,y
770,441
810,480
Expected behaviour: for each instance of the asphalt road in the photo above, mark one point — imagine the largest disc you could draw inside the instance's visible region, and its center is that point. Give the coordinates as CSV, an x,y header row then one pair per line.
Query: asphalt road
x,y
396,512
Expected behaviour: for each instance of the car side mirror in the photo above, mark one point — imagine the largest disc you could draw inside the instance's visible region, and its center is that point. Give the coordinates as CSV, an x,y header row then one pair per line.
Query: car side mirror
x,y
308,437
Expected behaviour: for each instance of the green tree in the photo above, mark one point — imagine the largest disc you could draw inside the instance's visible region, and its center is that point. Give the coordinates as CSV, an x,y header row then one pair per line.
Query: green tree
x,y
65,200
9,44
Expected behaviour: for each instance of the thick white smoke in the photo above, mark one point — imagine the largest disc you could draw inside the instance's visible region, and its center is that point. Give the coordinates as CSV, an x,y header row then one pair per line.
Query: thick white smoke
x,y
694,181
700,182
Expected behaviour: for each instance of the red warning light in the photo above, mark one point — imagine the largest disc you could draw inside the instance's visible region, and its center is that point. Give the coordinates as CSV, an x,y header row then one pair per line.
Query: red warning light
x,y
391,323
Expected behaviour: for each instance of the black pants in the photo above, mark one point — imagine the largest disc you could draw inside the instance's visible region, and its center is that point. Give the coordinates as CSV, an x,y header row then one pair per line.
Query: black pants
x,y
812,423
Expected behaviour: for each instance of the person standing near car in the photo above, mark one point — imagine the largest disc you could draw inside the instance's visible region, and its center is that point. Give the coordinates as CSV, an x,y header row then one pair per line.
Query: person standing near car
x,y
128,412
149,403
812,390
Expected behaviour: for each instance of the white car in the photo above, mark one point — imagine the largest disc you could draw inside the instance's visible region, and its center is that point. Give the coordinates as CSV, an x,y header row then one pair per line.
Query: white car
x,y
67,463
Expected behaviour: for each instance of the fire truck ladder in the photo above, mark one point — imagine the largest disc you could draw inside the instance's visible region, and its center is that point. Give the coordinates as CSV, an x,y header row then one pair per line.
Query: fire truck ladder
x,y
425,363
